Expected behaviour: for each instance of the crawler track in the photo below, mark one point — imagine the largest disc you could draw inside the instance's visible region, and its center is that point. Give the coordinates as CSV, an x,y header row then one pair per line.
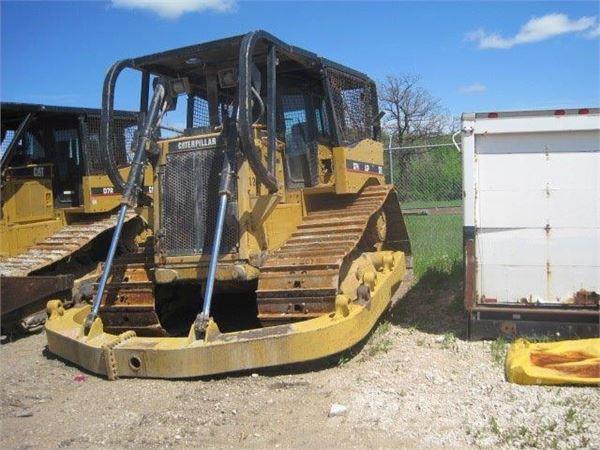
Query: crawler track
x,y
57,247
301,279
128,301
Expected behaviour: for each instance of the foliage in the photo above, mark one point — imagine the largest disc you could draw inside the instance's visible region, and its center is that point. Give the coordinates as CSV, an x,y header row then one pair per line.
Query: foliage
x,y
498,349
436,243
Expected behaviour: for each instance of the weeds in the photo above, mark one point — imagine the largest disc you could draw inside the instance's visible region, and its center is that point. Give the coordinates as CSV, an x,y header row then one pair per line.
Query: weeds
x,y
498,349
571,433
381,343
571,415
345,358
449,340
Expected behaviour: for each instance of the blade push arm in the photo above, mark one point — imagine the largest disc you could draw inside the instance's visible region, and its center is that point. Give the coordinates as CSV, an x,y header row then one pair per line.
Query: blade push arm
x,y
130,189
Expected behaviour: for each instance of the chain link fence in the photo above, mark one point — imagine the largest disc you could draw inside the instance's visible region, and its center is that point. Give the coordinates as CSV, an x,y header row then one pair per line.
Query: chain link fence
x,y
428,179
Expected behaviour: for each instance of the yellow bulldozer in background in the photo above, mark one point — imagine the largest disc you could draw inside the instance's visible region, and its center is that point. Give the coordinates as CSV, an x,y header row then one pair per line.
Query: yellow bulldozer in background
x,y
275,239
57,205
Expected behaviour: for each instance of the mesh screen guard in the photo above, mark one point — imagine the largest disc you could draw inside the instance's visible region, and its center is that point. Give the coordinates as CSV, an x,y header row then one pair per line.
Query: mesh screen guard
x,y
123,131
189,203
353,101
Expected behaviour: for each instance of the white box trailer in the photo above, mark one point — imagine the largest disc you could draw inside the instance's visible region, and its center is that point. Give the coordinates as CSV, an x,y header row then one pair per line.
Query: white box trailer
x,y
531,182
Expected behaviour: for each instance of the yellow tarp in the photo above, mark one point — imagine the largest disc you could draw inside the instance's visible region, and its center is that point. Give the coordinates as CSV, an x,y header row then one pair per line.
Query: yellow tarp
x,y
562,362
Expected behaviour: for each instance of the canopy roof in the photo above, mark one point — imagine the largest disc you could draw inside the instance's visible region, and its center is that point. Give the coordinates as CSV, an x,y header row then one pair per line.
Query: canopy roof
x,y
224,53
13,111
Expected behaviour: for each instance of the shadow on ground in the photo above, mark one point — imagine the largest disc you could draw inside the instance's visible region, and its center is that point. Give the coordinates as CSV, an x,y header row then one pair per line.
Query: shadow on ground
x,y
434,304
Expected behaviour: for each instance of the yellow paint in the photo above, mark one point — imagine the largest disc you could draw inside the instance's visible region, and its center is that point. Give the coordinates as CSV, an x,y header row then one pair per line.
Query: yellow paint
x,y
110,198
267,221
347,181
29,215
562,362
222,352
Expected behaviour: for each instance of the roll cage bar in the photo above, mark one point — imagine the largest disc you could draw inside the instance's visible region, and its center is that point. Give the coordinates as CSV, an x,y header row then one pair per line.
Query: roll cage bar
x,y
241,52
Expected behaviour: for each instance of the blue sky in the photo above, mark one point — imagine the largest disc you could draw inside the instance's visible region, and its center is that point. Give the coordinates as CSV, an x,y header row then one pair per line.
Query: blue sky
x,y
474,56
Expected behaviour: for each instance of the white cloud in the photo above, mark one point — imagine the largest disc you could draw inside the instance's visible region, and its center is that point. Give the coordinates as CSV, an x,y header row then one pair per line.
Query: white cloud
x,y
172,9
535,30
475,88
593,33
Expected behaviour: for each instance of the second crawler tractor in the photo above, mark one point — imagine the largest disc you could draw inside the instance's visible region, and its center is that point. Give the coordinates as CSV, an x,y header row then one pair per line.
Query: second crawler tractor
x,y
275,238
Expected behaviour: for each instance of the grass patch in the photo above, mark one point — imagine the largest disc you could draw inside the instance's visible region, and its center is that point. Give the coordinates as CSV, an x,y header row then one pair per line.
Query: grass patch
x,y
435,302
436,243
571,432
425,204
498,349
449,340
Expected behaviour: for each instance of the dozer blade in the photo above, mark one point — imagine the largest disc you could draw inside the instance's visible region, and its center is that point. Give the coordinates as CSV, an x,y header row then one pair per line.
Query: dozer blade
x,y
127,355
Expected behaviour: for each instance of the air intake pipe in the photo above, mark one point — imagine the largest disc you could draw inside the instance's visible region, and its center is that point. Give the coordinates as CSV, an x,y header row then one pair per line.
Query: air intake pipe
x,y
107,154
245,112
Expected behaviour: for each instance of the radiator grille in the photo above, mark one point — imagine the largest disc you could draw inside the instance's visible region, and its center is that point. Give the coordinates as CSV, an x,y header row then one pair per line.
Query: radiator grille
x,y
189,203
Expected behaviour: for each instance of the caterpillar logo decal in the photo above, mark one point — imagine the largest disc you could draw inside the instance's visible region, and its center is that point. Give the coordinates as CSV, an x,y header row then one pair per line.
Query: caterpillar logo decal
x,y
194,143
364,167
26,172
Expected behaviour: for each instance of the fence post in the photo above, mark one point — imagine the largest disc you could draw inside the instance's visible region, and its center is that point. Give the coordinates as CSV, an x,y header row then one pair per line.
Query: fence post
x,y
391,158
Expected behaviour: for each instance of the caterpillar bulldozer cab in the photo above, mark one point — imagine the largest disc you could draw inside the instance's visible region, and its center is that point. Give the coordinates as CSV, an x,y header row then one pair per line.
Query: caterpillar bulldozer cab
x,y
56,203
275,238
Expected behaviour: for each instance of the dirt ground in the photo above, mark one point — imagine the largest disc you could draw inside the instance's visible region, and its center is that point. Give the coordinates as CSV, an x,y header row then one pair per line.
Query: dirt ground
x,y
415,383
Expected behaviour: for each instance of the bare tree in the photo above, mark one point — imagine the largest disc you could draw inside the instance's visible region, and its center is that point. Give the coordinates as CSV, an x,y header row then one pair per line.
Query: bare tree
x,y
412,112
413,116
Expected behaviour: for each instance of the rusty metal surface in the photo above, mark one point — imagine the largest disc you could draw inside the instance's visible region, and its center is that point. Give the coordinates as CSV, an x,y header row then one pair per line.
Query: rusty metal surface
x,y
17,292
470,274
57,247
492,328
489,322
128,302
516,309
300,280
586,298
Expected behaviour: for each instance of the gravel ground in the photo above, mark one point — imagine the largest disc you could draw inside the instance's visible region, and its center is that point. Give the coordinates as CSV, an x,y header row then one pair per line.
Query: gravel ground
x,y
415,383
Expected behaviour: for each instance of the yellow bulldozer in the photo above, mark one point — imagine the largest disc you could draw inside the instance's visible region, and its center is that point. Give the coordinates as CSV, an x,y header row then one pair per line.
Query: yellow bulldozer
x,y
57,205
275,239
